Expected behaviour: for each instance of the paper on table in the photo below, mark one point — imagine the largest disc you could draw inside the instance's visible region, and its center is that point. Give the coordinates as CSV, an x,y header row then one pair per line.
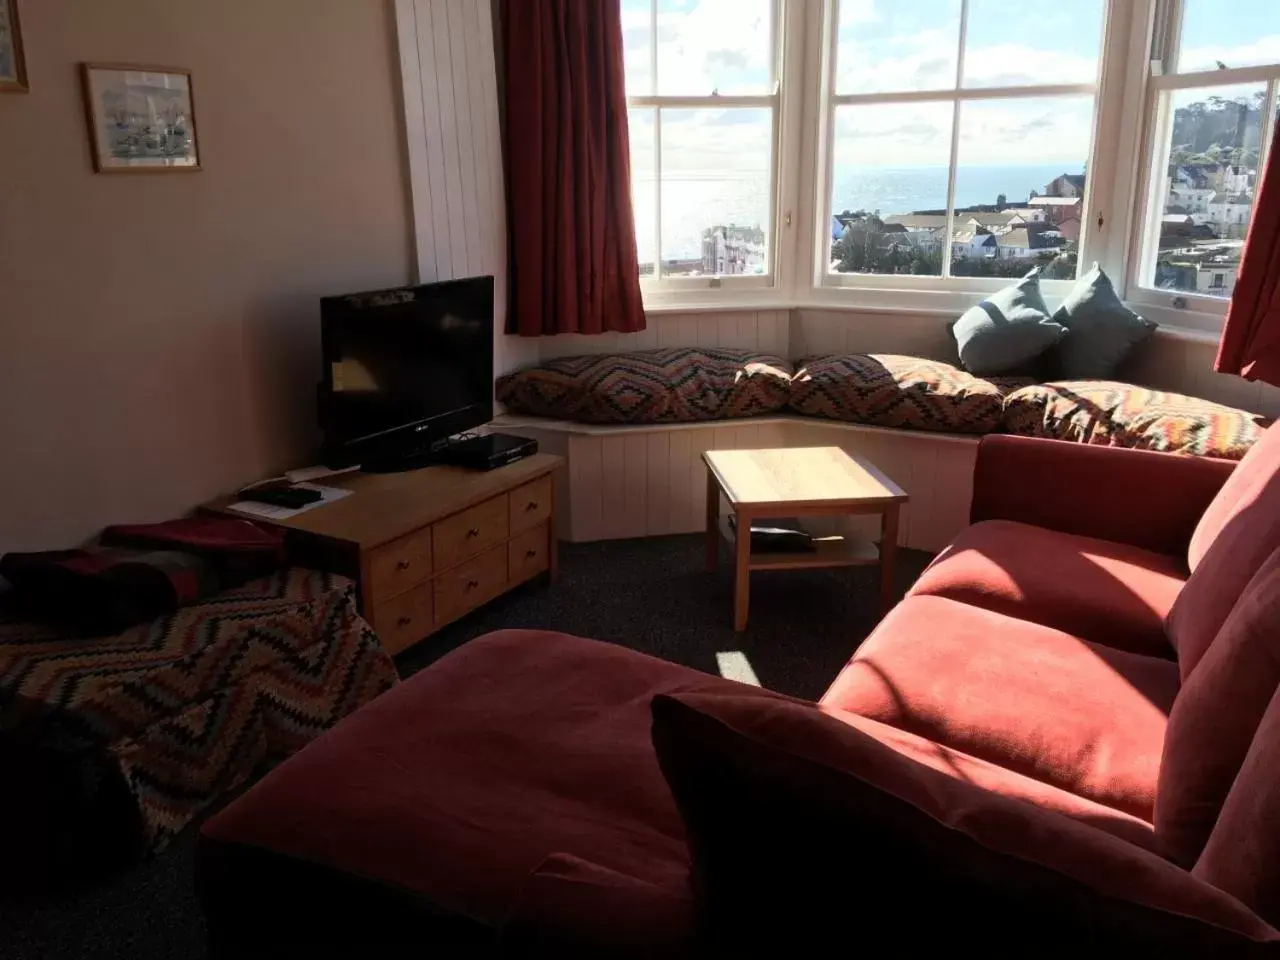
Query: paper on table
x,y
270,512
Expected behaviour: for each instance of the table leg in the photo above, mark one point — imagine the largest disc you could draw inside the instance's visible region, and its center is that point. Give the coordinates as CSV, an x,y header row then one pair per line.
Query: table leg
x,y
713,521
741,571
888,555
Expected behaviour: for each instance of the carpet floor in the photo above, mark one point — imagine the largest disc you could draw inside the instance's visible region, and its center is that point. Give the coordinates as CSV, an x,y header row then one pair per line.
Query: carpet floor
x,y
650,595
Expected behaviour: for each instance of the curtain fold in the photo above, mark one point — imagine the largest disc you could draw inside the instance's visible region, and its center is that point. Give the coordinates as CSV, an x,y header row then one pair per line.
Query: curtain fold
x,y
1250,345
572,244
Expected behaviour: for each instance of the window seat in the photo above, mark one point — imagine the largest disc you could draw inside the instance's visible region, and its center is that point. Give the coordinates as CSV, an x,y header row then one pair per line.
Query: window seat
x,y
632,427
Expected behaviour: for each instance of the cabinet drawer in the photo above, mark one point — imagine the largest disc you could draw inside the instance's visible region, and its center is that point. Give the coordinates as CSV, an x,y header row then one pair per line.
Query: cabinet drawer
x,y
466,587
404,620
468,533
527,554
530,504
396,567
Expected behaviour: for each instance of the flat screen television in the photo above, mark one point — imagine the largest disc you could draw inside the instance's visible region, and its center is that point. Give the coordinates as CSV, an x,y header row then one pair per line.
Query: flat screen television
x,y
404,369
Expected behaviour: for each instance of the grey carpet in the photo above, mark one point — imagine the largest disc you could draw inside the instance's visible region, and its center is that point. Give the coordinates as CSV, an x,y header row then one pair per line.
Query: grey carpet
x,y
651,595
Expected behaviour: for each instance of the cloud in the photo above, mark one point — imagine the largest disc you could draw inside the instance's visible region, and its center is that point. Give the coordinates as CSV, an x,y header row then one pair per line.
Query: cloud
x,y
1265,49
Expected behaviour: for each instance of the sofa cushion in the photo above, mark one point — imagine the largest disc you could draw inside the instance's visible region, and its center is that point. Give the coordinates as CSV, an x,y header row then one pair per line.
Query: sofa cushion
x,y
1240,856
1238,531
1101,330
1081,716
1216,716
675,385
1106,592
1123,415
1007,330
795,820
894,391
457,785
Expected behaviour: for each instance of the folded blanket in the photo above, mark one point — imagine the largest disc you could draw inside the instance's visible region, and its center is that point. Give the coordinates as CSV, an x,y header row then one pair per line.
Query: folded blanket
x,y
140,572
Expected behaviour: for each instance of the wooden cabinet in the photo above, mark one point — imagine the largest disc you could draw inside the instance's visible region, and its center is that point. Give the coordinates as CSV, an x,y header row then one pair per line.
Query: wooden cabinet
x,y
429,546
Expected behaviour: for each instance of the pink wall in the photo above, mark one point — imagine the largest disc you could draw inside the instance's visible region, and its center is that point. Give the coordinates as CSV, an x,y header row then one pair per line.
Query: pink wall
x,y
159,332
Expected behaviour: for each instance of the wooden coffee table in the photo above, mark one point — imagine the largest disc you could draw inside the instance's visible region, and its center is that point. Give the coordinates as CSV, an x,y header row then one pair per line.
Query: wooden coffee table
x,y
805,482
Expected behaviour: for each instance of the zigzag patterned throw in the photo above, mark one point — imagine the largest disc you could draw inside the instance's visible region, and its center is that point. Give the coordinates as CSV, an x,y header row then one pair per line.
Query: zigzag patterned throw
x,y
188,707
895,391
675,385
1122,415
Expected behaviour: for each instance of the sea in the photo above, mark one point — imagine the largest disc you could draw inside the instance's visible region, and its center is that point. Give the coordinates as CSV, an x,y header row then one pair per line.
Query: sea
x,y
694,201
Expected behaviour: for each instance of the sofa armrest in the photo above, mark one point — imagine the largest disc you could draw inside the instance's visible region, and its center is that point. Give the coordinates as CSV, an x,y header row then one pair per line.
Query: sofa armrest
x,y
1139,497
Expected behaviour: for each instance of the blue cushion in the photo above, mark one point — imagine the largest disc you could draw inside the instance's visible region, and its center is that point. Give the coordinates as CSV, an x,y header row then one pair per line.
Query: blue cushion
x,y
1100,329
1007,330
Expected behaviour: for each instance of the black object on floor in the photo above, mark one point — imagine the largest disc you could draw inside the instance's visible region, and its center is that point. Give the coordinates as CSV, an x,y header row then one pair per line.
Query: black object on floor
x,y
650,595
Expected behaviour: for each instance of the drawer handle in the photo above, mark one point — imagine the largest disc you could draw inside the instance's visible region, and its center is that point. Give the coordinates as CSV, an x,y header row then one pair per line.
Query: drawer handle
x,y
530,554
472,584
404,621
531,506
473,532
403,564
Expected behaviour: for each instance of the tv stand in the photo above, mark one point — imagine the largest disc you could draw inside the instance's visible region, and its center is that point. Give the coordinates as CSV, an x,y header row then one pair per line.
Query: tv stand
x,y
428,546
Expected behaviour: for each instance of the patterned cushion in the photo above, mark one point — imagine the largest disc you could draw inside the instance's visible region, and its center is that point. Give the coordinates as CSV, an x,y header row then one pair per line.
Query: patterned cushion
x,y
1122,415
675,385
893,391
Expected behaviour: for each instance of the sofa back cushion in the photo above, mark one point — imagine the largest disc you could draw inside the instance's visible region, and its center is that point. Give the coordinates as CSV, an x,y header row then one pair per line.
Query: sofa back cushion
x,y
1240,857
1215,717
1237,533
794,819
888,390
673,385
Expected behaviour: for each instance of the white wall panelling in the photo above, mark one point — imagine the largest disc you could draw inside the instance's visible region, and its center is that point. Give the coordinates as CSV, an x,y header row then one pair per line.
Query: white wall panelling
x,y
649,481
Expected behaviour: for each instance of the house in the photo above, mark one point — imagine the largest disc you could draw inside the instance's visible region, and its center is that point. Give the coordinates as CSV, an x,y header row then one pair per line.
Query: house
x,y
919,221
730,251
972,244
1027,214
1216,279
1229,214
1069,229
995,222
1069,185
1057,209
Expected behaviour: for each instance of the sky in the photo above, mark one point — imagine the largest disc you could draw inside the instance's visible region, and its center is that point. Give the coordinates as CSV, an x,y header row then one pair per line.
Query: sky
x,y
902,45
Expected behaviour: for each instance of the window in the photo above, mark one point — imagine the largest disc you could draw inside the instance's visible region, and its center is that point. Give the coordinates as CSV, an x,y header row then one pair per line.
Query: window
x,y
702,86
960,137
1211,107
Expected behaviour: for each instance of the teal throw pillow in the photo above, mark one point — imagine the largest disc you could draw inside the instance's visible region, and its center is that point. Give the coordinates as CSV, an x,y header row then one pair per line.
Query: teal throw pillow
x,y
1007,330
1100,329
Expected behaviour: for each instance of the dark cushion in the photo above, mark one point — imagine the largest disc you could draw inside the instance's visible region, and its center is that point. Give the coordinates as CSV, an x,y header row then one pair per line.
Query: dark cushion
x,y
1215,717
895,391
1044,703
1123,415
675,385
805,832
1101,330
1238,532
1102,591
1007,330
1240,856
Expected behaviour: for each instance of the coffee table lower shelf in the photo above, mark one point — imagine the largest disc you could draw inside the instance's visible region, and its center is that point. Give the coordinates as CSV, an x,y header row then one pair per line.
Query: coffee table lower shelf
x,y
834,546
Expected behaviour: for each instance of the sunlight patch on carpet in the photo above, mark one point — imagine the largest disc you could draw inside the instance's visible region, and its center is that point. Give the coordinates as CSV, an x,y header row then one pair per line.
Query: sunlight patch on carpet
x,y
734,665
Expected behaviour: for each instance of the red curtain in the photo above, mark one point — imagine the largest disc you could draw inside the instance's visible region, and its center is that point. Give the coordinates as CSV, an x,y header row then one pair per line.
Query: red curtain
x,y
1250,344
572,250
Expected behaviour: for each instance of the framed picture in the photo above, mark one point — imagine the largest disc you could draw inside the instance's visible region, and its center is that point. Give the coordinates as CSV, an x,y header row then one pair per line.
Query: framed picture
x,y
13,66
140,118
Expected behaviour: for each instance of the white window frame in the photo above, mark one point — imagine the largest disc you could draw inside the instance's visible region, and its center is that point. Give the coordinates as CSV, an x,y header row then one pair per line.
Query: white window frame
x,y
1156,51
658,289
945,292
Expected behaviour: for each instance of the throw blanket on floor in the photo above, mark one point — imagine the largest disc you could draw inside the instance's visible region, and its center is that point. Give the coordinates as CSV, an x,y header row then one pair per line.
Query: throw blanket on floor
x,y
183,709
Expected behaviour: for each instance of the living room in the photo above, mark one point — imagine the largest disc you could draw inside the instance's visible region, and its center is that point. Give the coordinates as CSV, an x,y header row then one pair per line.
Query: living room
x,y
843,431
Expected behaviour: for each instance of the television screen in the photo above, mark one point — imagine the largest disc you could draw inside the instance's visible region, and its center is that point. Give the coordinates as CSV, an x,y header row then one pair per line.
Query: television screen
x,y
406,368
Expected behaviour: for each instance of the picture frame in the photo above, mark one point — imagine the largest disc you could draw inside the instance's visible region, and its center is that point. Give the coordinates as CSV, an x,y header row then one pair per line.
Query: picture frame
x,y
142,119
13,62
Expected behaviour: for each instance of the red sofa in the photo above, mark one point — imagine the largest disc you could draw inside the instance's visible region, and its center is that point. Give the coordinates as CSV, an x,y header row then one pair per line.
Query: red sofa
x,y
1061,741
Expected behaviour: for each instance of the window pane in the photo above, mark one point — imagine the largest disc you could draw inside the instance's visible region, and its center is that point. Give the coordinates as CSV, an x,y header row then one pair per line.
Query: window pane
x,y
1208,188
884,45
889,193
1012,43
1020,180
716,190
1228,33
715,46
637,44
644,194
